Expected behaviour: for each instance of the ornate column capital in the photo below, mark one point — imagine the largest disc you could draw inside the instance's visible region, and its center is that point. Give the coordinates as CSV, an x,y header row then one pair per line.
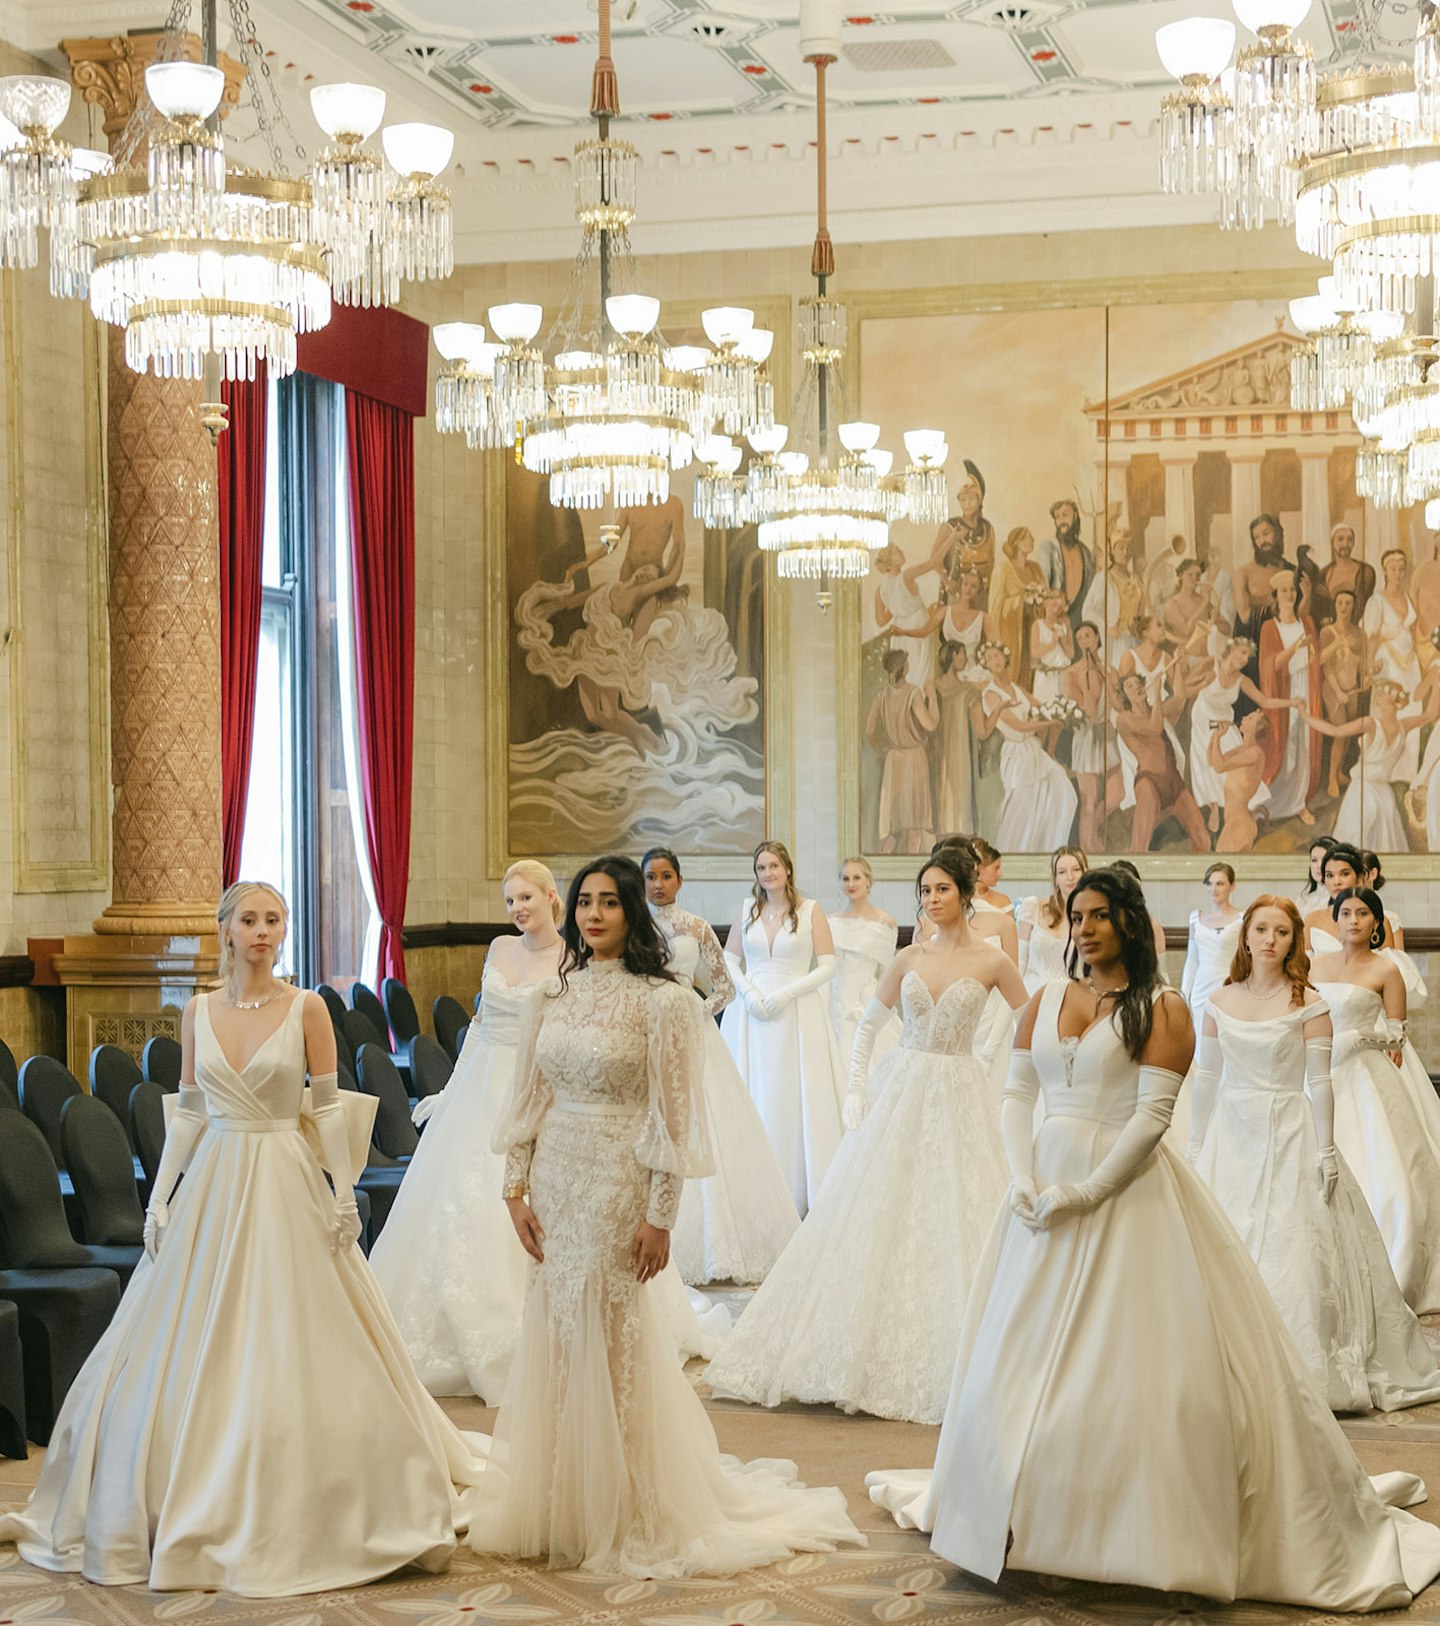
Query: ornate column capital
x,y
110,73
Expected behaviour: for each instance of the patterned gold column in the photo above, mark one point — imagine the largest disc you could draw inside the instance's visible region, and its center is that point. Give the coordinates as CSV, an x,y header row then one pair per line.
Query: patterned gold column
x,y
164,600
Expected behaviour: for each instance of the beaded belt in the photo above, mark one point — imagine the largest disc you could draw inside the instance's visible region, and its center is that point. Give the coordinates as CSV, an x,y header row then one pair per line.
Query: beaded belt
x,y
596,1109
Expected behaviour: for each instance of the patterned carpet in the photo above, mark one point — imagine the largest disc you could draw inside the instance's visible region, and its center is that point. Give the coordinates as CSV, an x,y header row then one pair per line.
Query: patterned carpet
x,y
896,1580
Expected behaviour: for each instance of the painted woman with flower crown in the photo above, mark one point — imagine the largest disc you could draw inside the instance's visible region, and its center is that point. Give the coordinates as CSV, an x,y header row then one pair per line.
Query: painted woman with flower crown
x,y
1038,801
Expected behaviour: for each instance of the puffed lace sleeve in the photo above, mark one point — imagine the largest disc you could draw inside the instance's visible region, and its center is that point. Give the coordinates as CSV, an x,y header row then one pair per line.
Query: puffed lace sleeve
x,y
674,1139
722,988
530,1095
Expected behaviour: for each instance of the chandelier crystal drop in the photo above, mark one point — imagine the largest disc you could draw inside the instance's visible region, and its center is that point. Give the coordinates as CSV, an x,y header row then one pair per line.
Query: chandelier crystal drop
x,y
347,189
37,178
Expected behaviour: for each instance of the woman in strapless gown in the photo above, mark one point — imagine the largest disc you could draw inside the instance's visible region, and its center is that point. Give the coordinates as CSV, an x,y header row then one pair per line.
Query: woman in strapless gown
x,y
1262,1139
1380,1127
733,1224
864,1309
778,1030
1059,1452
253,1381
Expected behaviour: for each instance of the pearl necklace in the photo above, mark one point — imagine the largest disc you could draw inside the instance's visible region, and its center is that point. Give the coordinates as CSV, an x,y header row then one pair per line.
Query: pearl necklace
x,y
1261,998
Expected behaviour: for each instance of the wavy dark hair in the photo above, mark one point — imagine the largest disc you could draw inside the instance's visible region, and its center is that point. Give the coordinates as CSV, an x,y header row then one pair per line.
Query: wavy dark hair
x,y
665,853
1344,853
1371,899
1134,1007
644,953
1313,889
1373,869
957,860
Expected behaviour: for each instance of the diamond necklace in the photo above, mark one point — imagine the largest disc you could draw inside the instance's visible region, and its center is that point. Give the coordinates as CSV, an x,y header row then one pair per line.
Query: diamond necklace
x,y
252,1004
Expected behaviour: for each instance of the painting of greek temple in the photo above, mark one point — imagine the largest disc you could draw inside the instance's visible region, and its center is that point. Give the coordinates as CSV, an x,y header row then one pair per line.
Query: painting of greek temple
x,y
1159,617
636,670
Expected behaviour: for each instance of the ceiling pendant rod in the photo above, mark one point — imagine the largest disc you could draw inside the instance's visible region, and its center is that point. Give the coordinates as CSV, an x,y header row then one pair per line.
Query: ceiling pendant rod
x,y
604,105
822,255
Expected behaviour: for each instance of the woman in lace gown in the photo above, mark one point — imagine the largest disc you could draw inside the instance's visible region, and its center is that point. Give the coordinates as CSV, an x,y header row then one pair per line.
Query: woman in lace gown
x,y
864,939
1262,1138
461,1325
1379,1128
1117,1328
1214,937
733,1224
1044,922
603,1458
778,1029
212,1434
1038,804
864,1309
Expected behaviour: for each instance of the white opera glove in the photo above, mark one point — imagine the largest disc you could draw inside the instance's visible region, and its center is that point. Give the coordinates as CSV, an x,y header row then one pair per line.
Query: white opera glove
x,y
867,1031
1024,962
1136,1142
182,1135
756,1004
1322,1109
1017,1131
335,1143
824,970
1208,1063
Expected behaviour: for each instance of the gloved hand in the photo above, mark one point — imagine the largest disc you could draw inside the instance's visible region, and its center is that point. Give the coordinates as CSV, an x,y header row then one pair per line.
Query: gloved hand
x,y
1055,1202
1021,1197
157,1217
1327,1170
853,1111
345,1227
759,1006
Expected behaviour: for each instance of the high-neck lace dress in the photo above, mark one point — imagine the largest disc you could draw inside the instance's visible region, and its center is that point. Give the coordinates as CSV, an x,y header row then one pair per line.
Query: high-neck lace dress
x,y
603,1457
865,1306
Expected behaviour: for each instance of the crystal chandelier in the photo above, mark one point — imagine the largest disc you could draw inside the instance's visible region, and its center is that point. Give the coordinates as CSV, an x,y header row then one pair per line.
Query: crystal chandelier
x,y
212,267
616,410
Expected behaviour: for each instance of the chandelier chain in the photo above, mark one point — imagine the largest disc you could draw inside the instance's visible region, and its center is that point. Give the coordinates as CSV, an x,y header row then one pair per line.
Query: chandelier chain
x,y
276,120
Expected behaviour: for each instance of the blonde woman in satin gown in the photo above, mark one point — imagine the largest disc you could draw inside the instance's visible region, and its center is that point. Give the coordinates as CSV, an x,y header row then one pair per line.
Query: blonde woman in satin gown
x,y
250,1422
1127,1407
603,1458
865,940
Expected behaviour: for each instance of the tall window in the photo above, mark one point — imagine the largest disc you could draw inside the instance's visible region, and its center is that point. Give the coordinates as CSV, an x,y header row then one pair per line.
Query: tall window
x,y
300,826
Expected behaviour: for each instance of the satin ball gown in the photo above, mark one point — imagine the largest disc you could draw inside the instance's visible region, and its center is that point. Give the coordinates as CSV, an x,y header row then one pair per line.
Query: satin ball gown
x,y
1127,1407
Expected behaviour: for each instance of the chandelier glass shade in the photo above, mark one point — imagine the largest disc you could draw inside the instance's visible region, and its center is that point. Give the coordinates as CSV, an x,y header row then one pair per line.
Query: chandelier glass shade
x,y
37,177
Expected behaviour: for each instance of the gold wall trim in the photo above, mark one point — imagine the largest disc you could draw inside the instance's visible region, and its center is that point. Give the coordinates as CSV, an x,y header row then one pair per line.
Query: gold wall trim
x,y
91,874
972,299
777,696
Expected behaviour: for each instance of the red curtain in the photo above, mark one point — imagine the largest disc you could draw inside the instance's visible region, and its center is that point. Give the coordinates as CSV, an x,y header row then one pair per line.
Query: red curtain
x,y
381,446
240,482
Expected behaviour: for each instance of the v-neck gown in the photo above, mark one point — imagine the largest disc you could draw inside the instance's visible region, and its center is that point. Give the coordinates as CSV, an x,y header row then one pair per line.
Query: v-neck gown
x,y
250,1421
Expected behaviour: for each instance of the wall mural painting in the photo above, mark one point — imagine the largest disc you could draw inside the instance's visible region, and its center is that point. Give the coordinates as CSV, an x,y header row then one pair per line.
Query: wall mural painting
x,y
1159,618
636,677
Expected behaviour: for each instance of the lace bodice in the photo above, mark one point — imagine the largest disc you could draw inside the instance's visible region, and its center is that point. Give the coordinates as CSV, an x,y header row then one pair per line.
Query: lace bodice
x,y
271,1083
1269,1054
693,943
502,1005
793,952
945,1026
614,1044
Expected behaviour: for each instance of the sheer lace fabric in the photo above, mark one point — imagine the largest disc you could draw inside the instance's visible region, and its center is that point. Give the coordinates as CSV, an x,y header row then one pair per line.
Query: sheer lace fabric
x,y
603,1457
1053,1457
212,1433
1324,1264
865,1306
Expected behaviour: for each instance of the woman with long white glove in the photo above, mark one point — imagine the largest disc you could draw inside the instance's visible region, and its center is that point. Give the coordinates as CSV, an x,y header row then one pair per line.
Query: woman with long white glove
x,y
1263,1140
252,1381
1203,1460
863,1309
780,957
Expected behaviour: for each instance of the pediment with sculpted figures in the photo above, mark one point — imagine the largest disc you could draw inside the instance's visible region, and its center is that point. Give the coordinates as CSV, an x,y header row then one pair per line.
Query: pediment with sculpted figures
x,y
1254,377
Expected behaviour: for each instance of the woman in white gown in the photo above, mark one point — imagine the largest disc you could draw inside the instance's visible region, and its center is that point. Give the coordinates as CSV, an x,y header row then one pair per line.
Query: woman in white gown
x,y
1044,922
1038,803
1058,1452
1262,1138
865,940
733,1225
864,1309
603,1458
778,1029
459,1324
252,1381
1214,937
1341,869
1389,623
1369,809
1313,895
1380,1129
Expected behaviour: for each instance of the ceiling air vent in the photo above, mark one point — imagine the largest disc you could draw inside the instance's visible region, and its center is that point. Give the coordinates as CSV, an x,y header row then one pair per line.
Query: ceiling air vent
x,y
710,30
422,55
891,56
1017,17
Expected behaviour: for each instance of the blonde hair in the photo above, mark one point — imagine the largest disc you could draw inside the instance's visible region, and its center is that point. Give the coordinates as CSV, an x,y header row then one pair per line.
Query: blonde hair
x,y
532,870
758,895
225,911
1053,907
862,864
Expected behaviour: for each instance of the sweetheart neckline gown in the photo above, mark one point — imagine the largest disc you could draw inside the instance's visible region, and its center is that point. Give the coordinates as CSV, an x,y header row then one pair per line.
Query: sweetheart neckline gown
x,y
1324,1264
213,1432
1127,1407
864,1308
791,1065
